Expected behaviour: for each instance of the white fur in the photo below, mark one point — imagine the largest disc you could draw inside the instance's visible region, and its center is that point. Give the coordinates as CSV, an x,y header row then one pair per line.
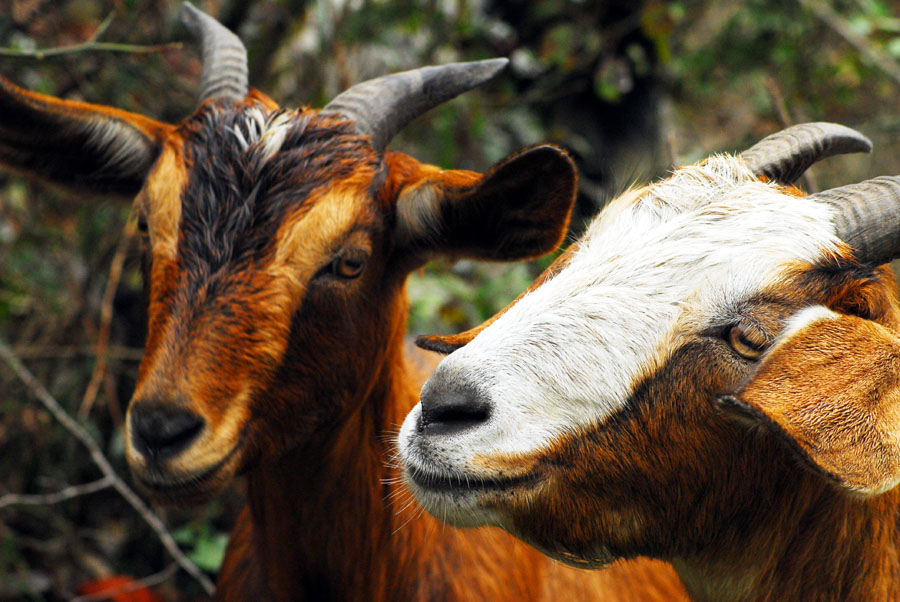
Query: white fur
x,y
124,146
263,133
804,318
685,251
418,212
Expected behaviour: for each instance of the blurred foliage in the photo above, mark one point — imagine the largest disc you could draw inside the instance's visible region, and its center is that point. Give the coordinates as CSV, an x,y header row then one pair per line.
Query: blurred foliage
x,y
630,88
205,547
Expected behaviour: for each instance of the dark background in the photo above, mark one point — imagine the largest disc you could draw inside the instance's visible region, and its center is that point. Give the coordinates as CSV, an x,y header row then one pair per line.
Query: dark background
x,y
630,88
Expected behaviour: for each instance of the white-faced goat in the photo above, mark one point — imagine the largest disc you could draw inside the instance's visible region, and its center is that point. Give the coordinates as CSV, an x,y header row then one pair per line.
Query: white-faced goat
x,y
708,377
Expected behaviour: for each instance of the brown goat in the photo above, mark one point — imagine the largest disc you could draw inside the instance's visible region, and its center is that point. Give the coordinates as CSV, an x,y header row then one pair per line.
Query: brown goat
x,y
277,246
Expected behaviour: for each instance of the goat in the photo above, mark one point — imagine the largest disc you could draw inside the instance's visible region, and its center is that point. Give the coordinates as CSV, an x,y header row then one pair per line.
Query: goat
x,y
277,245
709,377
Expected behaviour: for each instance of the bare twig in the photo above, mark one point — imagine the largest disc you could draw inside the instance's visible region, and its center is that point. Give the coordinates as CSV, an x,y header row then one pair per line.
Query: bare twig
x,y
784,116
101,29
839,24
668,141
148,581
112,399
72,491
671,152
41,352
43,53
89,45
38,390
106,314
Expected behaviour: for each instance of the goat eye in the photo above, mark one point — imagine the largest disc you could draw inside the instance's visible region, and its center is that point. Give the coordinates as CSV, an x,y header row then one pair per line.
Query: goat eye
x,y
142,225
748,340
350,264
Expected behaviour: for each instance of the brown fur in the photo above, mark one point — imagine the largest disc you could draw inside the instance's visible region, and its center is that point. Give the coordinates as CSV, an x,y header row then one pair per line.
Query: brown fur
x,y
845,425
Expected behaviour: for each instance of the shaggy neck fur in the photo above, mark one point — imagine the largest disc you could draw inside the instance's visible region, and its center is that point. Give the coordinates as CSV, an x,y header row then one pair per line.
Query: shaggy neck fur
x,y
738,516
823,545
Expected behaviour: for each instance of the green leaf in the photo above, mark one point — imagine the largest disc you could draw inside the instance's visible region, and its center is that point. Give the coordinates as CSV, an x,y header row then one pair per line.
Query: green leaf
x,y
893,48
185,535
210,551
862,25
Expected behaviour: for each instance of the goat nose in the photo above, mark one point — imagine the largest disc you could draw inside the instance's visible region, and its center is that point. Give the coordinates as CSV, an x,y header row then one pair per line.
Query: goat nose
x,y
452,410
161,431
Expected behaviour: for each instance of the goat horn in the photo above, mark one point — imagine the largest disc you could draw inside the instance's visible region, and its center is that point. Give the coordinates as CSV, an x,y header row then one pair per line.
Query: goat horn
x,y
383,106
866,217
224,72
785,155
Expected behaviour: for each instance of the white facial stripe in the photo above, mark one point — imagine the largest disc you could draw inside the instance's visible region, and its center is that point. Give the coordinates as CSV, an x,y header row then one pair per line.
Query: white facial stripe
x,y
569,354
804,318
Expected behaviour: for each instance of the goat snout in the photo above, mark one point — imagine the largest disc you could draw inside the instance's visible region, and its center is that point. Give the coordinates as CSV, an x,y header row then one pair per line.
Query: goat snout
x,y
451,409
161,431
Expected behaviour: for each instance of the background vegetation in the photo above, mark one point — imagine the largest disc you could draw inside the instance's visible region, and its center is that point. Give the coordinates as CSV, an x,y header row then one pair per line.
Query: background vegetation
x,y
631,88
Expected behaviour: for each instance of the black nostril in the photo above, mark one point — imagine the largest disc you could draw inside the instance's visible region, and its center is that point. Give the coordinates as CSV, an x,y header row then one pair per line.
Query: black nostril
x,y
446,411
161,431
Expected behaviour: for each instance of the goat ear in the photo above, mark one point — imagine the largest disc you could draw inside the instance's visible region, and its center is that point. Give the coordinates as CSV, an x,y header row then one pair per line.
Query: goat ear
x,y
78,146
831,387
518,210
449,343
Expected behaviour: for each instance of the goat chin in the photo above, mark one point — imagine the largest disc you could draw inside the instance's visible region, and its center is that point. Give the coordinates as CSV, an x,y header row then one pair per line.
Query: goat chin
x,y
185,489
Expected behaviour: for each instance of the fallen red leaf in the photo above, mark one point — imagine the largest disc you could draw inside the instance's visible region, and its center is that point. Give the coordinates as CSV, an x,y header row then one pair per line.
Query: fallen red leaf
x,y
118,583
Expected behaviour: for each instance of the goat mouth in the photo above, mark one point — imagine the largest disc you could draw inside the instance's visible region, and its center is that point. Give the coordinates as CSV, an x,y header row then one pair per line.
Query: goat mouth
x,y
187,487
461,483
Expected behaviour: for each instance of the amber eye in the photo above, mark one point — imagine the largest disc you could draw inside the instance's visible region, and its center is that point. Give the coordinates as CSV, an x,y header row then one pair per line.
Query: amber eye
x,y
748,340
350,264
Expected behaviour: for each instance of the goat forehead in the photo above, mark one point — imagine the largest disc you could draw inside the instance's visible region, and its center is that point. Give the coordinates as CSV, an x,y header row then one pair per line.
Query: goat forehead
x,y
247,172
708,228
243,206
699,244
730,236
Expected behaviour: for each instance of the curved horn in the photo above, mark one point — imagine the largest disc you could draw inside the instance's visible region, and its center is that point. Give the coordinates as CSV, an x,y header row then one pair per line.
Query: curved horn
x,y
785,155
383,106
224,72
867,217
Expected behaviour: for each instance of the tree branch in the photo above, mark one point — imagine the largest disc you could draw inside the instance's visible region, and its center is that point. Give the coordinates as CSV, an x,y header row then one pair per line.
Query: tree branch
x,y
43,352
89,45
835,21
38,390
106,314
72,491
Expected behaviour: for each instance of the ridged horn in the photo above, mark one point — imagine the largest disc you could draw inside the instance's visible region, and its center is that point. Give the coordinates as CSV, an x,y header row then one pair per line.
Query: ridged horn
x,y
383,106
785,155
224,57
867,217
